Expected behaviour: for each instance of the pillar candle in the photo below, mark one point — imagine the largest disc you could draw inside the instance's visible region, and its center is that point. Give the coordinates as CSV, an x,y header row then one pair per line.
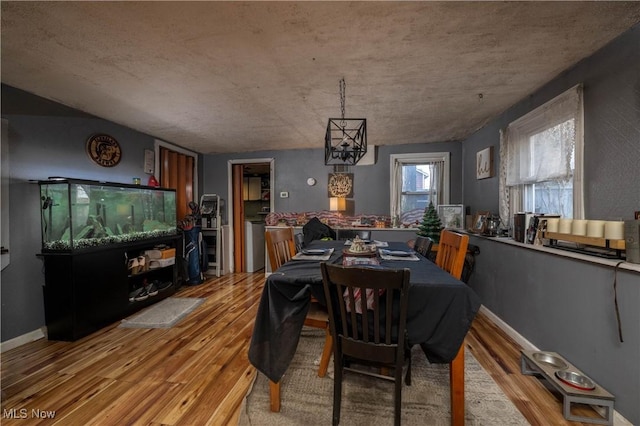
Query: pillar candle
x,y
565,226
614,230
579,227
595,228
553,224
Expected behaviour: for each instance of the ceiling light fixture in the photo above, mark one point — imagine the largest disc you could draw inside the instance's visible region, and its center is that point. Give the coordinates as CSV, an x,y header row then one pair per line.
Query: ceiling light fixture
x,y
346,139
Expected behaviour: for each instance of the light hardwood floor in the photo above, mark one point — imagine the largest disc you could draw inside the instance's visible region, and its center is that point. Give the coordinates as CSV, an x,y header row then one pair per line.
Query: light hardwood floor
x,y
197,372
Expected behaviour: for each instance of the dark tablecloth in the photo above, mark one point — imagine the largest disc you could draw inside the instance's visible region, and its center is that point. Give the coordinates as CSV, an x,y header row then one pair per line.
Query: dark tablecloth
x,y
441,309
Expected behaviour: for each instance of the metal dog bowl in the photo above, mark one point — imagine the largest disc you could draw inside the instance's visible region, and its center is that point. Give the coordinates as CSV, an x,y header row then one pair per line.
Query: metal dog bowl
x,y
576,380
547,358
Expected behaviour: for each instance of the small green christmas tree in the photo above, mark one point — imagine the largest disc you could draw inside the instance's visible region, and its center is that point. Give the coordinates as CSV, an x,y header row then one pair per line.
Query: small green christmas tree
x,y
431,225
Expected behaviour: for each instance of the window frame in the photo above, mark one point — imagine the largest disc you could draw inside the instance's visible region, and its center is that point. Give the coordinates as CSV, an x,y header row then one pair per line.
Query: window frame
x,y
416,158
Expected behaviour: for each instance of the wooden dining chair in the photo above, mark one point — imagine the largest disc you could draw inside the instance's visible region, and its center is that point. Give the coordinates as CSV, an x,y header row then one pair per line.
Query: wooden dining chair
x,y
374,337
452,250
281,248
423,245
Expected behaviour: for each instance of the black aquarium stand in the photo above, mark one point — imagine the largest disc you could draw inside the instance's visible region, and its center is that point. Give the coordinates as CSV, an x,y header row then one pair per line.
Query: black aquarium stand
x,y
87,290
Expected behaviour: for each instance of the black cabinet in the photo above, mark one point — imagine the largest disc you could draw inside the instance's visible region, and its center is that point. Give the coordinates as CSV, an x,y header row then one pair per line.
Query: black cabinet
x,y
85,291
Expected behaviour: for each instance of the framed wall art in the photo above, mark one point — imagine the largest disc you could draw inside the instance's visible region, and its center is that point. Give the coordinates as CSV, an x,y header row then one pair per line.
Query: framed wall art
x,y
484,163
451,215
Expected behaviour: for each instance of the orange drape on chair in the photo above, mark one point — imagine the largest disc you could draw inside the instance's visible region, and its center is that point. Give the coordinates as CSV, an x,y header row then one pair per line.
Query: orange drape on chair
x,y
176,171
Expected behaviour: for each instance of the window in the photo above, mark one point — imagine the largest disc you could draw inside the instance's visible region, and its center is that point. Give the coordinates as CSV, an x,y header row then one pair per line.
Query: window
x,y
417,180
541,160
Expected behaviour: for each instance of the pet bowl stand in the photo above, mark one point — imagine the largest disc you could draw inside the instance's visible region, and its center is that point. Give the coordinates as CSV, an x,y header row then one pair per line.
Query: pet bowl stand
x,y
597,397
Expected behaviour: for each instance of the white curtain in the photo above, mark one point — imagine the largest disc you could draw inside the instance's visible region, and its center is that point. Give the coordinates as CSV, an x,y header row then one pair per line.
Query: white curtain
x,y
540,145
437,182
396,190
544,145
504,207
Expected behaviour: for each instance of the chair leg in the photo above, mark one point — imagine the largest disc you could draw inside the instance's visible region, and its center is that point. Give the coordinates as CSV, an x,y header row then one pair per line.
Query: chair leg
x,y
398,395
274,396
337,391
407,378
456,382
326,354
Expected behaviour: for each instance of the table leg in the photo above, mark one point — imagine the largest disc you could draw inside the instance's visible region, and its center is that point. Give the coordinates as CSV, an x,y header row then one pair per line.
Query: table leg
x,y
326,353
274,396
456,383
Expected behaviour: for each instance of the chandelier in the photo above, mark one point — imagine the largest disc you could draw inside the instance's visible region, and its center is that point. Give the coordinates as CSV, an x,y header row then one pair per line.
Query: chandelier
x,y
346,139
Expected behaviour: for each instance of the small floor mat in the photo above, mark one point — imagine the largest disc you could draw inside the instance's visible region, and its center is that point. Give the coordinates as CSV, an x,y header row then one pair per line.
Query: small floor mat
x,y
164,314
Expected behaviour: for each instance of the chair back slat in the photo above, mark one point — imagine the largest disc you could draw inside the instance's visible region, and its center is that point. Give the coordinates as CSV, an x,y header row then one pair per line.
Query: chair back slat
x,y
376,318
373,332
280,246
452,250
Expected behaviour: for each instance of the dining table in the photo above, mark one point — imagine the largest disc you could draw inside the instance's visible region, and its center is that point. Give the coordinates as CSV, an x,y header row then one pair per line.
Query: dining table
x,y
440,312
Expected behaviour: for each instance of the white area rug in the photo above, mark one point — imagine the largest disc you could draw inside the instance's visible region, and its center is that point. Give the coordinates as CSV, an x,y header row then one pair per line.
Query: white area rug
x,y
164,314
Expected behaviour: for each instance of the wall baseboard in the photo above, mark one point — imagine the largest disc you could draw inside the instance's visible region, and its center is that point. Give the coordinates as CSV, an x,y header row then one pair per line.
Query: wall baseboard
x,y
21,340
618,419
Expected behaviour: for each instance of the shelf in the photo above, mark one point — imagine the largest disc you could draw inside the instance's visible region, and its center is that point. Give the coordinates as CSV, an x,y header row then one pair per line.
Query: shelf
x,y
149,271
591,241
89,290
212,235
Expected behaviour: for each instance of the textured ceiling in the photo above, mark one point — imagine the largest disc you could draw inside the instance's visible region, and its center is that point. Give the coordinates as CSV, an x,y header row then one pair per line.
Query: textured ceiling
x,y
233,76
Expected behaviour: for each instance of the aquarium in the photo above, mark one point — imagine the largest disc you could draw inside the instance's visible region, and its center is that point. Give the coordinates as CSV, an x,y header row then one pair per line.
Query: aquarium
x,y
77,214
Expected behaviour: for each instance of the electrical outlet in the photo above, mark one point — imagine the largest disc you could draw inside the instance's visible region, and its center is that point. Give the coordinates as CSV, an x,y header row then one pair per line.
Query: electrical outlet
x,y
284,194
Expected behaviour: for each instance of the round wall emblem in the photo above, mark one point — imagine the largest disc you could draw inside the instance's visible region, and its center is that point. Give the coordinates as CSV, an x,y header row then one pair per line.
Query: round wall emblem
x,y
340,185
104,150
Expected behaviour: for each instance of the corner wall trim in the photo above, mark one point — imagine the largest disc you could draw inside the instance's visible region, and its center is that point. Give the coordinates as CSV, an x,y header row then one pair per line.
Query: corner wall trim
x,y
21,340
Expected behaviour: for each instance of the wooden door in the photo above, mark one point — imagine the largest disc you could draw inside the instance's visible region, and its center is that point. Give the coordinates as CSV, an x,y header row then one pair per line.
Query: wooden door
x,y
238,218
177,172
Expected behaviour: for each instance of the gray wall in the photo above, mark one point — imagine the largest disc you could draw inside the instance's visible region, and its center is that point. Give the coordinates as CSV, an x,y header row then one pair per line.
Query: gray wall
x,y
48,139
567,306
560,304
611,80
293,167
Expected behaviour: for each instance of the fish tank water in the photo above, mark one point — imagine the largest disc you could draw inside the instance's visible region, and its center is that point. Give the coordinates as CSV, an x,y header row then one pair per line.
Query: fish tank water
x,y
81,214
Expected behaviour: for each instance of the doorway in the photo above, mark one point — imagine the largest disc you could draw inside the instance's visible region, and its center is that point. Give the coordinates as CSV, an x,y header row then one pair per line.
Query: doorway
x,y
251,183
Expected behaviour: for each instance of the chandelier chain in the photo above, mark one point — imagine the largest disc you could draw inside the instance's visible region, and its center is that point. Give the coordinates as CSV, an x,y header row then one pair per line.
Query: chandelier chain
x,y
345,144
